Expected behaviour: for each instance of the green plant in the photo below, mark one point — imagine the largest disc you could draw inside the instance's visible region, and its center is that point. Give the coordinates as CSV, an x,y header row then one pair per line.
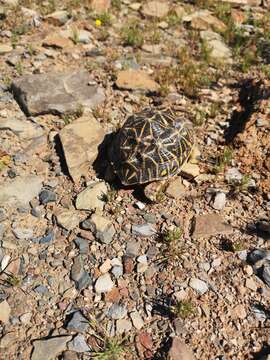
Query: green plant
x,y
248,59
183,309
103,34
215,109
205,52
111,349
199,117
132,35
237,246
19,68
222,160
172,19
10,279
75,37
223,11
172,235
110,196
105,18
73,115
155,36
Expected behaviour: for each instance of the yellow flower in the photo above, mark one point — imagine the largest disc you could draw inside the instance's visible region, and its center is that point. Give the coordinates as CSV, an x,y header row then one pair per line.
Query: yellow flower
x,y
98,22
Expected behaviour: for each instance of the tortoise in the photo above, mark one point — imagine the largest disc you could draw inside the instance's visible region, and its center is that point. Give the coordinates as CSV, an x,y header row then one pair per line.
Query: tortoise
x,y
151,146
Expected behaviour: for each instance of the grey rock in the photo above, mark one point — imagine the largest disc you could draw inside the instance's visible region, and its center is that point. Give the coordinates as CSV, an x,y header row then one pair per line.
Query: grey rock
x,y
49,349
78,344
41,289
82,244
143,230
117,271
22,233
47,196
24,129
198,285
233,176
56,93
133,248
44,239
79,275
3,214
219,201
67,218
218,49
78,323
59,17
266,272
102,228
117,311
257,255
21,190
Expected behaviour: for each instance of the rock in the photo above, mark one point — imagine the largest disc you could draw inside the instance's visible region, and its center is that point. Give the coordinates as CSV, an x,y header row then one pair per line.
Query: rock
x,y
143,230
123,326
251,285
24,129
204,20
4,312
21,190
243,2
155,9
22,233
8,340
233,176
68,219
78,323
47,196
190,170
146,340
133,248
266,273
79,275
82,137
117,311
117,271
78,344
238,16
57,41
179,350
58,18
219,51
180,11
49,349
239,311
210,224
198,285
104,284
105,267
92,198
82,244
41,290
135,80
56,93
103,228
100,6
136,319
5,48
219,201
176,189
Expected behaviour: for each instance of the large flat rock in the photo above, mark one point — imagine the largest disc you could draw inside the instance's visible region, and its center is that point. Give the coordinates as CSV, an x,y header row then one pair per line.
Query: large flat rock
x,y
210,224
48,349
80,141
21,190
56,93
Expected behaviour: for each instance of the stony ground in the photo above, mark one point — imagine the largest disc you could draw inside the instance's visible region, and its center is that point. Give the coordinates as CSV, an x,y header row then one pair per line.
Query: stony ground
x,y
90,269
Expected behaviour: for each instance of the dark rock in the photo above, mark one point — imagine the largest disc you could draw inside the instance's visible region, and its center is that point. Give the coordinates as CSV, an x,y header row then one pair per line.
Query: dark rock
x,y
78,322
46,196
82,244
56,93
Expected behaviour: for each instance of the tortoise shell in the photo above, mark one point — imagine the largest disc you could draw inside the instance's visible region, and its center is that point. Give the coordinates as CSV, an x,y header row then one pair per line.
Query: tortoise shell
x,y
151,145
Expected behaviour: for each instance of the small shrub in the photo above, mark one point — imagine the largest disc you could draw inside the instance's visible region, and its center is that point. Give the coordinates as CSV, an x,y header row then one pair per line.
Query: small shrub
x,y
132,35
183,309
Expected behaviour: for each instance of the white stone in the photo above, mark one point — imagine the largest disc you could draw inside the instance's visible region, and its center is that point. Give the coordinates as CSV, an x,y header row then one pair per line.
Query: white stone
x,y
68,219
136,319
219,201
104,284
21,190
92,197
4,312
198,285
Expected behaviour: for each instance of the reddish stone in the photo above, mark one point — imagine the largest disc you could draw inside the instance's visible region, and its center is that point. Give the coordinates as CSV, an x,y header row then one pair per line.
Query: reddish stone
x,y
124,292
113,296
128,265
146,340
